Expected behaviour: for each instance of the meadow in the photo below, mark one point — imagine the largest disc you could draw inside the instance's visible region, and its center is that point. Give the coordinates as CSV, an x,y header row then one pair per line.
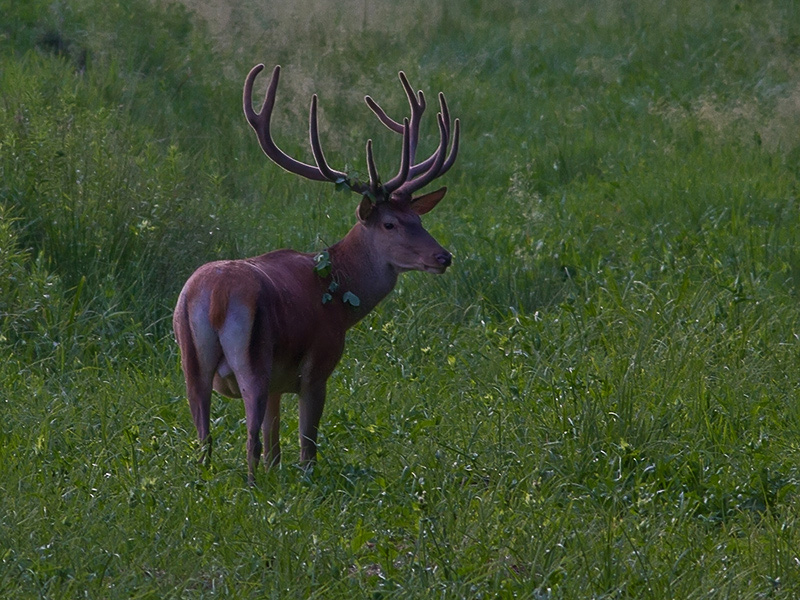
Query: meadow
x,y
599,399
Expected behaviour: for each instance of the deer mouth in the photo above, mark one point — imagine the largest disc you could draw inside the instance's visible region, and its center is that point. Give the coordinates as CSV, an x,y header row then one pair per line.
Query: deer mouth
x,y
435,269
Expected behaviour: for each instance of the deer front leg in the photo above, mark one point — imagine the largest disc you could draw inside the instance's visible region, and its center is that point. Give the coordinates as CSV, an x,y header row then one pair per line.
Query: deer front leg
x,y
312,401
271,429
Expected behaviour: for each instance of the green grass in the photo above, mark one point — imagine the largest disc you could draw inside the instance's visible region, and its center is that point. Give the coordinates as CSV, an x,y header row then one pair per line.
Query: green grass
x,y
598,400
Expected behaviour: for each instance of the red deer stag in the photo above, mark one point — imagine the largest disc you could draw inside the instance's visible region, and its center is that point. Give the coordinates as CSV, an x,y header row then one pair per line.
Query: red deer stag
x,y
261,327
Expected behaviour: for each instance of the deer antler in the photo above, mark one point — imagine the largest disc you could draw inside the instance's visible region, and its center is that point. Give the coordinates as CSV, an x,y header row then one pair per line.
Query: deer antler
x,y
436,165
260,122
417,105
410,178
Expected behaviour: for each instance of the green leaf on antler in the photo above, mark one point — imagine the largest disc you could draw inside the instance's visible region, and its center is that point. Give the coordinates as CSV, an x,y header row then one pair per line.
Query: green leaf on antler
x,y
342,184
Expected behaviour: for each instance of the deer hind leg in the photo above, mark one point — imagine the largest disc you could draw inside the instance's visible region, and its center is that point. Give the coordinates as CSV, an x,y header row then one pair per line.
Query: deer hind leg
x,y
200,352
199,394
251,367
271,429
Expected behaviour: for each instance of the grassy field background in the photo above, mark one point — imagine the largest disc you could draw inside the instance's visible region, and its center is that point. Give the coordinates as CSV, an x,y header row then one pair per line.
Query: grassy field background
x,y
598,400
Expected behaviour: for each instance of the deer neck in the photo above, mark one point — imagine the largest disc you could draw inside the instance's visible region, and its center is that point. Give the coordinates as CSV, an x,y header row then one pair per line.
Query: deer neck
x,y
358,268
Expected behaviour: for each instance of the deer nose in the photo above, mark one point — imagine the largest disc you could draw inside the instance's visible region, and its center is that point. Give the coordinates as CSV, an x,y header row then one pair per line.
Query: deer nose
x,y
444,258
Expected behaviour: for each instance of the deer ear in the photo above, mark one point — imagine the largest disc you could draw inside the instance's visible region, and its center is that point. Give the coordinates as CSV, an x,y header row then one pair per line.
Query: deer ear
x,y
426,202
364,209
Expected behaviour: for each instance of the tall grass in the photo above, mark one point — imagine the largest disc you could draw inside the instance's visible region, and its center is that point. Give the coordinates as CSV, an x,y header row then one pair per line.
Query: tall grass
x,y
599,399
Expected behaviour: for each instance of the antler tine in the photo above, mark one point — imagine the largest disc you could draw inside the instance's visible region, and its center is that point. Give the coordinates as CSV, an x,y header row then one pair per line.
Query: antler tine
x,y
316,147
260,122
374,180
445,111
425,165
416,103
451,157
417,106
405,163
412,185
388,121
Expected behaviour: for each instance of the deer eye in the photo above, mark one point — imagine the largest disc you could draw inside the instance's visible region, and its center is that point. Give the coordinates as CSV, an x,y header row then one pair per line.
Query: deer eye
x,y
388,225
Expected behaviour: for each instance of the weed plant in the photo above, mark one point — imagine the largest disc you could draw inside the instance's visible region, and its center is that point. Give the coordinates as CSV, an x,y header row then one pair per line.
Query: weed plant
x,y
598,400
